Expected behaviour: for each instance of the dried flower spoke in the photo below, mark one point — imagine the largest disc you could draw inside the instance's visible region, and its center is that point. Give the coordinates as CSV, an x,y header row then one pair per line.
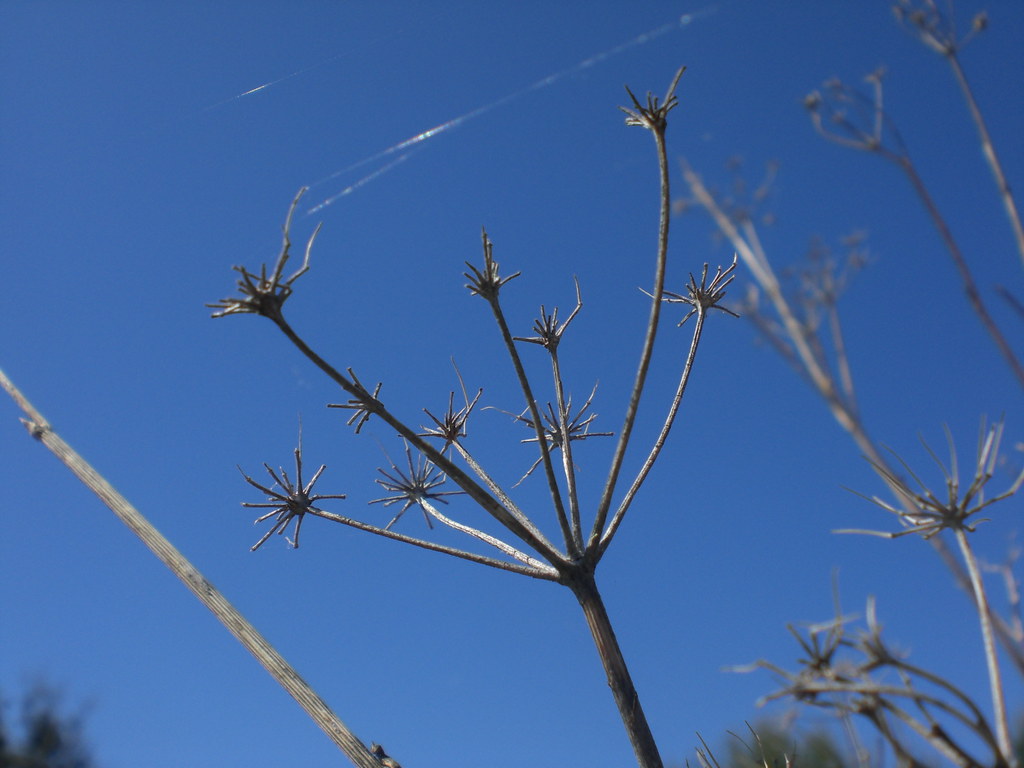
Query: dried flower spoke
x,y
928,513
452,426
487,282
548,331
704,296
413,486
363,406
291,502
578,427
264,294
653,116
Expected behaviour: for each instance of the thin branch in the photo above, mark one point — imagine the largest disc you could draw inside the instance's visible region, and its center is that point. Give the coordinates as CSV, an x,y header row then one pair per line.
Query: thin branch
x,y
842,130
549,334
547,573
487,283
988,641
701,298
495,542
653,117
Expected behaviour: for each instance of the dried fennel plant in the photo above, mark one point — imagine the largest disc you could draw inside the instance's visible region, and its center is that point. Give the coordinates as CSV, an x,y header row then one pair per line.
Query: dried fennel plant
x,y
797,313
439,456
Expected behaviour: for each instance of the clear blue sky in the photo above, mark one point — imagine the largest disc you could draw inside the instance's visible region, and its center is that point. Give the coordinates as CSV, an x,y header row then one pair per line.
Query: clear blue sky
x,y
134,175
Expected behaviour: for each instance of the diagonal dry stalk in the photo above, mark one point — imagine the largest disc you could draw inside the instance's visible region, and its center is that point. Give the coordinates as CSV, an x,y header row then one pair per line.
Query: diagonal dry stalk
x,y
830,112
937,31
574,564
191,577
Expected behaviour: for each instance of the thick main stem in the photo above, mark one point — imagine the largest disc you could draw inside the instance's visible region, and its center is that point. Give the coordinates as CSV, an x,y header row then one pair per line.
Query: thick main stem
x,y
208,595
584,586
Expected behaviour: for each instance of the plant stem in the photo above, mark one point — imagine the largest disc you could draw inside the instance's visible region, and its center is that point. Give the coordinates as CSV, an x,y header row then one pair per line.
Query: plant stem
x,y
662,437
995,681
208,595
581,582
990,154
648,346
970,288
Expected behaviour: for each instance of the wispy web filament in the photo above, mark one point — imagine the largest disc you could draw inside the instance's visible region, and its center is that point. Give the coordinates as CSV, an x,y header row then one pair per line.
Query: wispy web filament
x,y
641,39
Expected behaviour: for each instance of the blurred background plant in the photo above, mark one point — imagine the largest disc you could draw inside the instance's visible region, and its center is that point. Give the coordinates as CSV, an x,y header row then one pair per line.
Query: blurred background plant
x,y
795,310
45,736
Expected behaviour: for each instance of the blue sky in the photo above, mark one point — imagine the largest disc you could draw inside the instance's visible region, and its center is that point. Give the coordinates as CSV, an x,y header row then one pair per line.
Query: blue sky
x,y
135,175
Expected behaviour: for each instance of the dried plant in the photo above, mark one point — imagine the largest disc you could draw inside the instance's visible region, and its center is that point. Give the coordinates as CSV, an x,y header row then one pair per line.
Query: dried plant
x,y
554,430
291,502
858,674
797,312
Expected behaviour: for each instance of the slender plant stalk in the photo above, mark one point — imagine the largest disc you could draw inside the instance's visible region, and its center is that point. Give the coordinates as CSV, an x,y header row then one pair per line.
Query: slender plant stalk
x,y
970,287
208,595
648,346
531,567
538,425
991,657
662,436
567,463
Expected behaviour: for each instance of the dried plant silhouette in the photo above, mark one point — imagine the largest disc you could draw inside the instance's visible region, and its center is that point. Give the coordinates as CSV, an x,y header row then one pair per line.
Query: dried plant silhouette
x,y
438,456
429,466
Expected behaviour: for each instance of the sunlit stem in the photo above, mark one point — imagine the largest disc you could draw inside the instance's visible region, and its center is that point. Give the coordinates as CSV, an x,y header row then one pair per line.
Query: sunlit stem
x,y
648,346
499,493
544,572
995,680
497,543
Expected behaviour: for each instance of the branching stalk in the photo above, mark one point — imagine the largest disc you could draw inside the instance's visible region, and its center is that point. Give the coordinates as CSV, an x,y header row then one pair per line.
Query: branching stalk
x,y
452,470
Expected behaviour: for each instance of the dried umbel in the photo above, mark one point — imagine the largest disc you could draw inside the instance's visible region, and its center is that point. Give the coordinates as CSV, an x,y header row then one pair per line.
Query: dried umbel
x,y
431,469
